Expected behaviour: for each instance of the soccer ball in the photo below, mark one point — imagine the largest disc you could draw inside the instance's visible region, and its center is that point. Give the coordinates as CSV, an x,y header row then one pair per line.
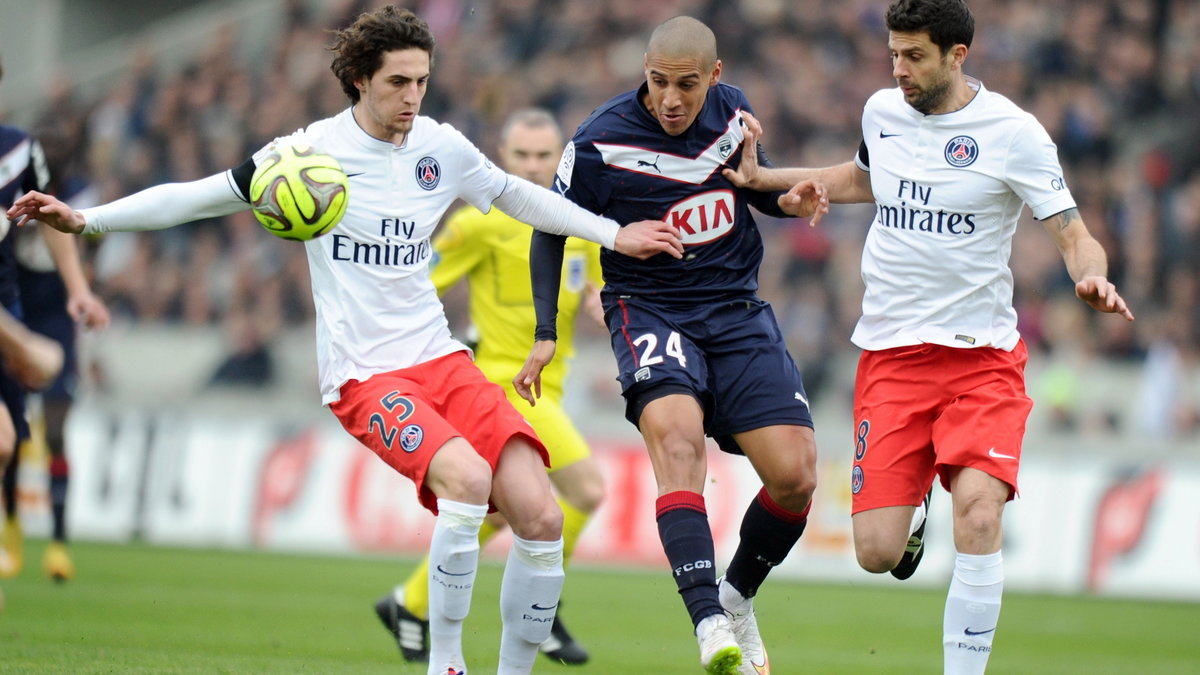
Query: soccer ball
x,y
299,192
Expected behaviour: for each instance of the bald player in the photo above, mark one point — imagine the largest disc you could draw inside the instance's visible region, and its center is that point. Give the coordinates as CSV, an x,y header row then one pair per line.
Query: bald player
x,y
698,352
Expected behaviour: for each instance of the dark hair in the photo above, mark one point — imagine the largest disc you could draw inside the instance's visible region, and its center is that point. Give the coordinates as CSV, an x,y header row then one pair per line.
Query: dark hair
x,y
360,47
948,22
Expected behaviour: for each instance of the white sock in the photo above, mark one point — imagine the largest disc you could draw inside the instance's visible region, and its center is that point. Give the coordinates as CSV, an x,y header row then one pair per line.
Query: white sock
x,y
972,611
533,579
453,562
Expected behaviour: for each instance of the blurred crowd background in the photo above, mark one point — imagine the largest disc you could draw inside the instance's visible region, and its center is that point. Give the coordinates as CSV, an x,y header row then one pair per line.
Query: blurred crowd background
x,y
1116,83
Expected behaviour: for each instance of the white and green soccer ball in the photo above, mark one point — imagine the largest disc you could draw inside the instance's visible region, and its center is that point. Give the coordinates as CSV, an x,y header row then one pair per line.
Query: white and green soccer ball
x,y
299,192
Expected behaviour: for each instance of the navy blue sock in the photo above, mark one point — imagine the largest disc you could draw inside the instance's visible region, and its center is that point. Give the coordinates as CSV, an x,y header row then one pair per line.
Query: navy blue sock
x,y
768,533
688,543
59,475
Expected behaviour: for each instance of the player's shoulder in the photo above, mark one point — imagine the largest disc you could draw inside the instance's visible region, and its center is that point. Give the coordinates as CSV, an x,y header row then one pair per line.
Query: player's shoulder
x,y
890,98
729,94
611,113
997,105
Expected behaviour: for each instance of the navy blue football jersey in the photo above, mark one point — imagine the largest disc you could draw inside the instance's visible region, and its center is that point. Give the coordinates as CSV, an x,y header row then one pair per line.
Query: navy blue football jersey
x,y
621,164
22,168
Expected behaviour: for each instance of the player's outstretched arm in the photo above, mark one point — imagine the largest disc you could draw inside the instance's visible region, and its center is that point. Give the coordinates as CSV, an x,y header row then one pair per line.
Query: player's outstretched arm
x,y
1086,263
528,382
154,208
842,184
552,213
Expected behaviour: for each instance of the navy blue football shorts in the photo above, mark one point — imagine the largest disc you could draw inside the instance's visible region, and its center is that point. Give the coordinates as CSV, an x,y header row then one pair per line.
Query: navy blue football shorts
x,y
730,356
44,301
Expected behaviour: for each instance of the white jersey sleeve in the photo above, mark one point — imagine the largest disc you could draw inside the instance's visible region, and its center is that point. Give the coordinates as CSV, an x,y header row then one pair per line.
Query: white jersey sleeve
x,y
167,205
1034,173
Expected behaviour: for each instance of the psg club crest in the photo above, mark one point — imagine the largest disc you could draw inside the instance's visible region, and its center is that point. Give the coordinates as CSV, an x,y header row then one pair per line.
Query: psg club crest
x,y
856,479
429,173
411,437
962,151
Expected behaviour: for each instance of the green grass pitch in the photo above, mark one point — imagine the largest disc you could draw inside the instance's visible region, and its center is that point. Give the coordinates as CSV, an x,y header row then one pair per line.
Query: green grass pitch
x,y
141,609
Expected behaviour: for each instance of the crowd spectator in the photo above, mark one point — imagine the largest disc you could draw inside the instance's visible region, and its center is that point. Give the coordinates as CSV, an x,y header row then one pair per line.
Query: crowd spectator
x,y
1116,83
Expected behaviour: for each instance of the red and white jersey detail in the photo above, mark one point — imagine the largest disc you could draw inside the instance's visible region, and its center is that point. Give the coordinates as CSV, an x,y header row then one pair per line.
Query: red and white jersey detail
x,y
377,310
949,190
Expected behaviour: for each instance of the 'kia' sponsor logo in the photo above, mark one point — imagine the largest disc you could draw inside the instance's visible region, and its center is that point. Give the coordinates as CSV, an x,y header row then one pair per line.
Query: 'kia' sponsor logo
x,y
704,217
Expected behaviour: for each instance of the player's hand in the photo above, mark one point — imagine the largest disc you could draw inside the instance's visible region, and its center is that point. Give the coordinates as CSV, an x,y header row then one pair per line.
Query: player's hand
x,y
747,173
647,238
89,310
528,382
50,210
1102,295
807,199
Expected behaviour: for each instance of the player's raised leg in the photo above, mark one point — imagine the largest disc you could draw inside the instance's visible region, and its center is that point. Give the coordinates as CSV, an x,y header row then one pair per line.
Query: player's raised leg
x,y
785,457
533,575
672,428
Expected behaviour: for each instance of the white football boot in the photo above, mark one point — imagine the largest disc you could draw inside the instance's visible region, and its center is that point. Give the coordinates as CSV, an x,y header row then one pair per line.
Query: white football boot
x,y
719,651
740,611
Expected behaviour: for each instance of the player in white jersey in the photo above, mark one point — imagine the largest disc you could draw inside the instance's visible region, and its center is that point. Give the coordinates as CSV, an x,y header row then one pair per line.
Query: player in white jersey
x,y
389,369
940,389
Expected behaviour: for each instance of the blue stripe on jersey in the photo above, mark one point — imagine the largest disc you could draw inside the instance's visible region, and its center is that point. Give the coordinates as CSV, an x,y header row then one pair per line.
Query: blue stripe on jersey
x,y
626,167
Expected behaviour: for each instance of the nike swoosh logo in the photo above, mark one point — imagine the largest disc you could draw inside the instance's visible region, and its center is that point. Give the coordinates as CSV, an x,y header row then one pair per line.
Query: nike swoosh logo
x,y
883,135
454,574
968,631
352,175
992,453
543,609
763,668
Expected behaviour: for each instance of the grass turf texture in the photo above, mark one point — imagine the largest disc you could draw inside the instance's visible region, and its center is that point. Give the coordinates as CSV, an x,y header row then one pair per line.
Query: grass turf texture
x,y
144,609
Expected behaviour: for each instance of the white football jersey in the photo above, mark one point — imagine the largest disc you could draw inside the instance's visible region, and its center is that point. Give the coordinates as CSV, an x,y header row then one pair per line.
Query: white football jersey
x,y
377,310
949,190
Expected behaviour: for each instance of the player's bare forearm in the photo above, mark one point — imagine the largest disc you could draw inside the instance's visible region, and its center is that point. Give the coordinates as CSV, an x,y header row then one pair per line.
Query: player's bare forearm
x,y
1086,262
528,382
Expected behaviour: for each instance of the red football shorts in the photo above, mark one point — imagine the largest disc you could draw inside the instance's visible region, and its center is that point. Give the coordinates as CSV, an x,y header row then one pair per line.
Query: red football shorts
x,y
921,410
406,415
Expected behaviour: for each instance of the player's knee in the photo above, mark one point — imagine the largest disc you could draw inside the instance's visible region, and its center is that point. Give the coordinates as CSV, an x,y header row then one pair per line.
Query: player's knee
x,y
792,492
679,450
587,494
978,520
460,476
587,498
541,524
876,558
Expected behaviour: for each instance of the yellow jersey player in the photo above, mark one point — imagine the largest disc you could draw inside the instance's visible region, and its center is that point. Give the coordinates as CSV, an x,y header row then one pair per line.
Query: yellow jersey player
x,y
492,252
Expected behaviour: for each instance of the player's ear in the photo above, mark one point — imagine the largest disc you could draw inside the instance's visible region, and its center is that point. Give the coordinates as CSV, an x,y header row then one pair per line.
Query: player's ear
x,y
958,54
715,77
